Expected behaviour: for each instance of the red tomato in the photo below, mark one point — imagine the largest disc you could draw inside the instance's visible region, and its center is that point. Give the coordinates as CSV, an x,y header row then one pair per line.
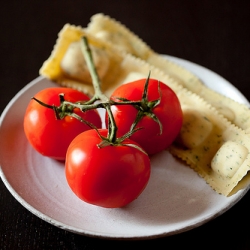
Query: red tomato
x,y
168,111
48,135
111,176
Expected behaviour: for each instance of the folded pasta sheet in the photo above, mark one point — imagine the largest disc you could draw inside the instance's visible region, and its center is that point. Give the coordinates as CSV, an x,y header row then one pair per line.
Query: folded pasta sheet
x,y
208,142
119,35
211,145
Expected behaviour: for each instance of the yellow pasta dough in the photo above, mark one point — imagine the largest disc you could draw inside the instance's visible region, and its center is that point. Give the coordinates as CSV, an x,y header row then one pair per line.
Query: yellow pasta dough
x,y
217,150
207,138
109,29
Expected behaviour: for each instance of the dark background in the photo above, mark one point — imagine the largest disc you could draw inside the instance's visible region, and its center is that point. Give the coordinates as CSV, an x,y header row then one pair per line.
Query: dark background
x,y
214,34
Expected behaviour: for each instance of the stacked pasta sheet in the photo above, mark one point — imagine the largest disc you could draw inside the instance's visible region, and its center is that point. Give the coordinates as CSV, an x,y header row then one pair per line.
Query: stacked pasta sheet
x,y
214,139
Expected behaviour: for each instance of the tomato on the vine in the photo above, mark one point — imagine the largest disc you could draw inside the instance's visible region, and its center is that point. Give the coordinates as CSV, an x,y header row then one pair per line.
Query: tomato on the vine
x,y
111,176
168,111
48,135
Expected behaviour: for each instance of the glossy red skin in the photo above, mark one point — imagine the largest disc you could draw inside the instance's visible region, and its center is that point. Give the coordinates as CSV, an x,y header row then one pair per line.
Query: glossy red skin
x,y
49,136
169,112
111,177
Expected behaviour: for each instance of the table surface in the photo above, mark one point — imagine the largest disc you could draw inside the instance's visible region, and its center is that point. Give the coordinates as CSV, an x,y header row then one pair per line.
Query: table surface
x,y
214,34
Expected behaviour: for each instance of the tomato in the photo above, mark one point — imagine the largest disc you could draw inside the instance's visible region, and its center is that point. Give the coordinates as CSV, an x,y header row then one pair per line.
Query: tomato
x,y
168,111
111,176
48,135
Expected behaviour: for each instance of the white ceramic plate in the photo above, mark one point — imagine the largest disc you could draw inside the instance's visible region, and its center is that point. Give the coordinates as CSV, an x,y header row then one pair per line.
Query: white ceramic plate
x,y
175,200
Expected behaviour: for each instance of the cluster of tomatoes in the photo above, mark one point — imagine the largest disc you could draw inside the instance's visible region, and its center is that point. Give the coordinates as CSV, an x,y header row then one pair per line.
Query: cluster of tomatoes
x,y
104,166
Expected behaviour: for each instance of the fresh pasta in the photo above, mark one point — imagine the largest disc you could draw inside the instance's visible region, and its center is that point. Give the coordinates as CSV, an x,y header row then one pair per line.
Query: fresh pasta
x,y
109,29
208,142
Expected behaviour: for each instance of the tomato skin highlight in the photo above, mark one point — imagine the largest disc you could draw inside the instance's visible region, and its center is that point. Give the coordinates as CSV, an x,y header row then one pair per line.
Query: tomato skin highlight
x,y
169,113
110,177
48,135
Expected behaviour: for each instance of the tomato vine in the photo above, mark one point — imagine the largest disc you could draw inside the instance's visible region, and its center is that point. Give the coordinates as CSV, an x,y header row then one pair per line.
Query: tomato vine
x,y
100,100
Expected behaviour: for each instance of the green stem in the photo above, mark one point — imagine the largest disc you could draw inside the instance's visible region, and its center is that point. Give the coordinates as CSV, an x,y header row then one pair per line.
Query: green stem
x,y
88,105
98,95
112,128
91,66
85,107
99,100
